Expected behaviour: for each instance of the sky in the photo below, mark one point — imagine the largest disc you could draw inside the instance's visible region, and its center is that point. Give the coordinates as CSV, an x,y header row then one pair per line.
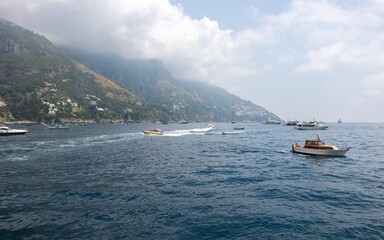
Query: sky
x,y
300,59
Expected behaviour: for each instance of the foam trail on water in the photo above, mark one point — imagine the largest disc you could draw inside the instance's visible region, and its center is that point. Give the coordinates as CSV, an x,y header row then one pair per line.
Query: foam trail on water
x,y
184,132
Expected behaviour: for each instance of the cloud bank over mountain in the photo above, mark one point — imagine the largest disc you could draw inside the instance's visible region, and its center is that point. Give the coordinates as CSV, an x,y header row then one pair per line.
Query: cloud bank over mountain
x,y
328,50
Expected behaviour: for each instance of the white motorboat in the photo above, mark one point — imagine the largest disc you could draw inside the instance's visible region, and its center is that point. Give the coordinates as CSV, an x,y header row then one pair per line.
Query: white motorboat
x,y
318,147
272,121
6,131
310,126
153,132
292,122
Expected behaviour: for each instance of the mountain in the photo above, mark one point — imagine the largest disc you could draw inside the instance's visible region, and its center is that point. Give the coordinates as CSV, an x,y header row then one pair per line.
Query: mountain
x,y
178,100
42,83
39,83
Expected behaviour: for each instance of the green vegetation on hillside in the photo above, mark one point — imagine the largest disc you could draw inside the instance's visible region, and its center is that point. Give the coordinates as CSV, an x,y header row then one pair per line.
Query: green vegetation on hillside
x,y
38,83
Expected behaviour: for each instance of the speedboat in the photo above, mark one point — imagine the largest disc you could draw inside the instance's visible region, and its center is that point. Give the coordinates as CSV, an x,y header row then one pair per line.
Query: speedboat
x,y
6,131
153,132
318,147
310,126
238,128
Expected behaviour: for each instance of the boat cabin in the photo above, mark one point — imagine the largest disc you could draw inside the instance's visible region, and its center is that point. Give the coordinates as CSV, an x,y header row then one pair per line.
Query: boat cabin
x,y
318,144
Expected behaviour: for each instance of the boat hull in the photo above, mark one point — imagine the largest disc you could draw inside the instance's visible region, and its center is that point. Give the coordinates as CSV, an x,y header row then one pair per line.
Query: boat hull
x,y
13,132
311,128
318,152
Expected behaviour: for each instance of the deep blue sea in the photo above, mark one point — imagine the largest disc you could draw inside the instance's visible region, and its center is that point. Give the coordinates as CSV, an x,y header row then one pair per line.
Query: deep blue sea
x,y
109,181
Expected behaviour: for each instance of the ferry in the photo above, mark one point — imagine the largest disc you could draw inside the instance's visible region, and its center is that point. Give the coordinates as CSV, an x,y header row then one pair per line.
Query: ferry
x,y
310,126
318,147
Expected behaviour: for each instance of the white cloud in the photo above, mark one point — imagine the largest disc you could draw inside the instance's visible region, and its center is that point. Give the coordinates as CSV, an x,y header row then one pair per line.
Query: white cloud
x,y
324,58
373,88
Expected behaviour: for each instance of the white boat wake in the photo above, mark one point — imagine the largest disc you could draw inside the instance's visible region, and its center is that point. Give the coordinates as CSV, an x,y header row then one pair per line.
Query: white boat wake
x,y
184,132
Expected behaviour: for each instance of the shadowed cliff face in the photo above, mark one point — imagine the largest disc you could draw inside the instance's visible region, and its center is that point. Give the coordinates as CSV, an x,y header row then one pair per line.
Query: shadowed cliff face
x,y
10,47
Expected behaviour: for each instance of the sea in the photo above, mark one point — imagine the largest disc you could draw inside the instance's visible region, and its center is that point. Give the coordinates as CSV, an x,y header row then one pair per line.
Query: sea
x,y
110,181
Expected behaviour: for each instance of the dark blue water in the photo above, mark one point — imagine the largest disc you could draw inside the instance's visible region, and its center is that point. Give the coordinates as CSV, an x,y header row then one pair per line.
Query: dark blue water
x,y
107,181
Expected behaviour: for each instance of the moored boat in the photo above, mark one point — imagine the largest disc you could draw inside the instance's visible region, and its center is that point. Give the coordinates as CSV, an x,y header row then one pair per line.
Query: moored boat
x,y
153,132
6,131
310,126
318,147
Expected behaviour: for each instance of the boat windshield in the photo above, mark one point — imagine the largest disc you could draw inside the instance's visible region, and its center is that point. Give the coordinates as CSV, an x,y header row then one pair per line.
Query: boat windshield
x,y
314,142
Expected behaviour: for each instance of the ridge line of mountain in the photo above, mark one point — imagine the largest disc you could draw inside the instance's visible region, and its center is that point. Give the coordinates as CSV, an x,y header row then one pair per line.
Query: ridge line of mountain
x,y
41,82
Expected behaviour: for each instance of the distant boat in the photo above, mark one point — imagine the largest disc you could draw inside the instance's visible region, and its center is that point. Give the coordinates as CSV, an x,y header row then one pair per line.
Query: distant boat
x,y
310,126
6,131
238,128
339,121
271,121
153,132
318,147
58,127
183,122
292,122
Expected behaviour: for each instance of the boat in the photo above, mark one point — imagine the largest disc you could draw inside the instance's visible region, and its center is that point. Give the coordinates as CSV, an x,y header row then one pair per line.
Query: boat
x,y
318,147
339,121
238,128
58,127
6,131
271,121
183,122
310,126
292,122
153,132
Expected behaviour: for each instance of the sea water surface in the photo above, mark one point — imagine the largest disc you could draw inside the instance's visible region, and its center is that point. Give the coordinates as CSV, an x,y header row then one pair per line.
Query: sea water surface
x,y
109,181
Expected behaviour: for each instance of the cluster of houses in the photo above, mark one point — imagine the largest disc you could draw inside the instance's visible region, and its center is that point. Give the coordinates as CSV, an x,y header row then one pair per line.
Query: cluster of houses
x,y
53,108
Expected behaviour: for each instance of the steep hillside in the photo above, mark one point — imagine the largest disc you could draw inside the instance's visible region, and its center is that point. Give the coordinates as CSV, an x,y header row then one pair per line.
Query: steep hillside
x,y
38,83
178,100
